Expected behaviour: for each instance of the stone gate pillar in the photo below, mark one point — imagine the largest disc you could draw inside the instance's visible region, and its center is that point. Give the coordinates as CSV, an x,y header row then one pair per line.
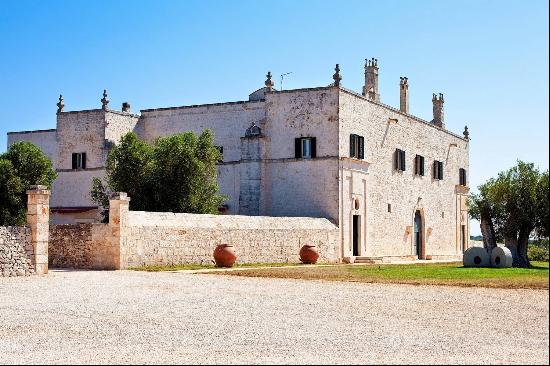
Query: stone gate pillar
x,y
119,205
38,219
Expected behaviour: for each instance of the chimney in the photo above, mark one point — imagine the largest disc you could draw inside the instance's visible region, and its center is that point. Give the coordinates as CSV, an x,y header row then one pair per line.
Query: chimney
x,y
404,95
370,90
439,118
126,107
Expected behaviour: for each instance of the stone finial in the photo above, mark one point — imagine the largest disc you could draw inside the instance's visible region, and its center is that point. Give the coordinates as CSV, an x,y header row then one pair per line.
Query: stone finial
x,y
60,104
337,77
269,83
104,100
466,133
126,107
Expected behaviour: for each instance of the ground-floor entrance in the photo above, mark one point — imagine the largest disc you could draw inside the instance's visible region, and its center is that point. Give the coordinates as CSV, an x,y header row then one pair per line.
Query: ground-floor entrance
x,y
355,234
417,240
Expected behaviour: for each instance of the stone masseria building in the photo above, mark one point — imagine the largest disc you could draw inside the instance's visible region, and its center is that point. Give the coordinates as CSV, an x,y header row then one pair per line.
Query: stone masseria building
x,y
394,184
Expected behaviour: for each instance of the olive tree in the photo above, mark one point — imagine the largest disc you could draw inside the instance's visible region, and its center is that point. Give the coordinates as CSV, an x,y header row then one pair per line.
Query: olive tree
x,y
511,207
175,174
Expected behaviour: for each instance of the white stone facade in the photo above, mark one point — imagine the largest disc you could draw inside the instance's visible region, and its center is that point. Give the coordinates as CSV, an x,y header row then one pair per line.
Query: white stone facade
x,y
262,174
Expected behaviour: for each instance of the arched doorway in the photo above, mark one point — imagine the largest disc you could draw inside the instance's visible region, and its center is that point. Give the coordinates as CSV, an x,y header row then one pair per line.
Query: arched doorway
x,y
418,234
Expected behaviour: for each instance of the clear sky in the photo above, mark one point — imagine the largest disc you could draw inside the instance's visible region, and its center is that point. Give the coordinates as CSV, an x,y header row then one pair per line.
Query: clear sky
x,y
489,58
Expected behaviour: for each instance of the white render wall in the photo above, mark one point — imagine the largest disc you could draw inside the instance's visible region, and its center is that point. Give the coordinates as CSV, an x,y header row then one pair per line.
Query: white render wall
x,y
386,233
229,122
44,139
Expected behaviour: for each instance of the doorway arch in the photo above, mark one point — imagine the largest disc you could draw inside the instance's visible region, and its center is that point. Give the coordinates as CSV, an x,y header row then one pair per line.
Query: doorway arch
x,y
419,240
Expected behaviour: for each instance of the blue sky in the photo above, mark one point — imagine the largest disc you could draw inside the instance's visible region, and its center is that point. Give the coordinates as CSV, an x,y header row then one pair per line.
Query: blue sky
x,y
489,58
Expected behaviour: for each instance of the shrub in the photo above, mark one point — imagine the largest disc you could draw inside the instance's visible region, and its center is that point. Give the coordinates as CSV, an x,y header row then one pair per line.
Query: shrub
x,y
536,253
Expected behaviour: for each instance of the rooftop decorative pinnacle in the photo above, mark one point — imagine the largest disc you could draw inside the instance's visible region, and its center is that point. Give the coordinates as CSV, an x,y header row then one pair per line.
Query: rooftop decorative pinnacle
x,y
60,104
337,77
269,83
104,100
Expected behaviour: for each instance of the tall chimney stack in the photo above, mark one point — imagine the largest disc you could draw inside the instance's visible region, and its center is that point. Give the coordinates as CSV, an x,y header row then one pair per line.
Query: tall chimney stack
x,y
370,90
404,94
439,118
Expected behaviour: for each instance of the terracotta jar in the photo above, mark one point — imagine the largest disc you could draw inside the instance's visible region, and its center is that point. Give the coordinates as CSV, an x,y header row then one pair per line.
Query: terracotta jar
x,y
309,254
224,255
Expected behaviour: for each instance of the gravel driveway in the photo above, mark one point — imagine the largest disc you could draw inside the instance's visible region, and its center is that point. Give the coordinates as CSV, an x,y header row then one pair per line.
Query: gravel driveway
x,y
137,317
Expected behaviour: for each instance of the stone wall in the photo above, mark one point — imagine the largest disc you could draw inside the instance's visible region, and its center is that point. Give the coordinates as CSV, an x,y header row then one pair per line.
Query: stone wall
x,y
79,246
16,251
160,238
70,246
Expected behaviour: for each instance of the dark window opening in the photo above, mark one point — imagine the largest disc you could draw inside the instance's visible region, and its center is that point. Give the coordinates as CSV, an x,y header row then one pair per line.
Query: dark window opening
x,y
220,150
462,174
305,147
79,161
419,165
356,146
399,160
438,170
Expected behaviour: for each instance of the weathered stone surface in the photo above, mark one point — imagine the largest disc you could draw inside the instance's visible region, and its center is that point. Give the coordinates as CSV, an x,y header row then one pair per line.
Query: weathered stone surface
x,y
15,258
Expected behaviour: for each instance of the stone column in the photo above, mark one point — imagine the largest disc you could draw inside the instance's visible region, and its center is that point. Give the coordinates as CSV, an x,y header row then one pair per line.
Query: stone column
x,y
119,205
38,219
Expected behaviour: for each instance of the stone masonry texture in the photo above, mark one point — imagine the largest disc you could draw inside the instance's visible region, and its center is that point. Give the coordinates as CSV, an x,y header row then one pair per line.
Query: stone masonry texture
x,y
15,251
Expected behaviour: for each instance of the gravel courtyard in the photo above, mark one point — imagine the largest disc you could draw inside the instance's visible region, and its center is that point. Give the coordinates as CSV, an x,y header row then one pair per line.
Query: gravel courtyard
x,y
140,317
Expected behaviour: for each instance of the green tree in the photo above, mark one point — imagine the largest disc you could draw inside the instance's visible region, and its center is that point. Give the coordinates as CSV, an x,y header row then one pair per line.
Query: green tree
x,y
176,174
22,166
513,206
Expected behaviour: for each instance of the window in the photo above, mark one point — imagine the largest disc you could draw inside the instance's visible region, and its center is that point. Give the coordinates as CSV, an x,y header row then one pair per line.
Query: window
x,y
389,207
462,177
220,150
356,146
438,170
79,161
305,147
419,165
399,160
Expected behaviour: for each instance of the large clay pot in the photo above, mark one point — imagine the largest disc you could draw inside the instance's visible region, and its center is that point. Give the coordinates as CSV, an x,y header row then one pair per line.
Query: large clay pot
x,y
309,254
224,255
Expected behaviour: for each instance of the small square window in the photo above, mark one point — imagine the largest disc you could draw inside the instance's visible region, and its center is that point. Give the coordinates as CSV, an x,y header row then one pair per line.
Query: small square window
x,y
79,161
305,148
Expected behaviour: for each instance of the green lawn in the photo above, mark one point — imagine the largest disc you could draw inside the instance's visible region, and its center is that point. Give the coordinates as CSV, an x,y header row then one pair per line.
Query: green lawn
x,y
416,274
183,267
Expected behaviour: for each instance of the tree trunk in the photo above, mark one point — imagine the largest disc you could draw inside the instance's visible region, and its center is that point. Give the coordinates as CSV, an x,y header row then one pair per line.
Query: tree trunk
x,y
511,243
488,233
518,247
523,243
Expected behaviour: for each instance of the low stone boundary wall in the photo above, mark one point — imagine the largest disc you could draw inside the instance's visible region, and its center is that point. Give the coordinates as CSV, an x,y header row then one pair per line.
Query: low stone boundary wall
x,y
16,251
80,246
161,238
24,250
70,246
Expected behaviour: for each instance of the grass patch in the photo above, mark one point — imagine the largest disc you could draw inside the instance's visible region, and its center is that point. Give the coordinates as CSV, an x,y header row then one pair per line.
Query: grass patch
x,y
453,274
183,267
